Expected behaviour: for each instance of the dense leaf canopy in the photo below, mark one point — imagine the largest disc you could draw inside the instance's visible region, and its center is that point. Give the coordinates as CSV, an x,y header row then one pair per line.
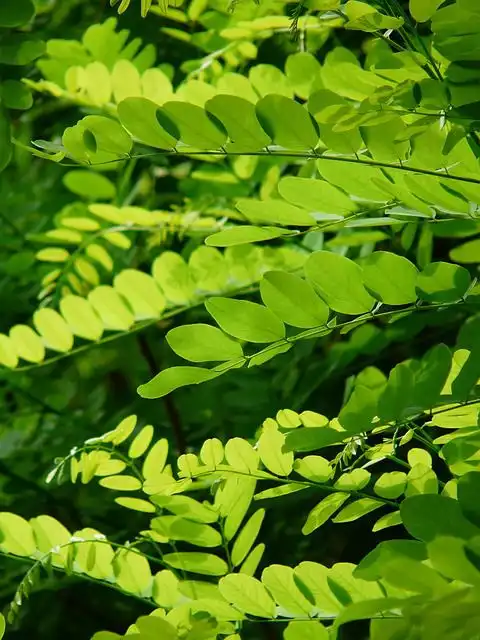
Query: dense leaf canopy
x,y
240,329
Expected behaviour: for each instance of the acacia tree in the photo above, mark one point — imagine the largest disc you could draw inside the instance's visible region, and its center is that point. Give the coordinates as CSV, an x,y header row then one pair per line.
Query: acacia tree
x,y
275,264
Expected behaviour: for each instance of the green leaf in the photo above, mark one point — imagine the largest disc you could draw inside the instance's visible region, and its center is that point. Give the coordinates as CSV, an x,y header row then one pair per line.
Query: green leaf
x,y
187,507
141,442
354,480
155,627
247,594
132,572
368,609
428,516
97,138
243,235
197,128
110,467
246,538
396,400
339,282
246,320
15,95
49,533
467,253
155,460
323,511
139,117
305,630
209,269
81,317
111,308
314,468
281,490
468,492
447,555
293,300
372,565
16,14
315,577
388,520
122,431
252,561
274,212
196,562
443,282
316,196
121,483
431,376
364,17
270,447
203,343
178,528
16,535
287,123
313,438
238,117
8,355
2,626
17,49
136,504
211,453
236,498
421,479
282,584
288,419
241,455
141,292
423,10
268,353
173,275
359,411
53,329
419,456
89,185
357,509
390,485
100,255
27,343
390,278
268,79
165,589
303,69
413,576
170,379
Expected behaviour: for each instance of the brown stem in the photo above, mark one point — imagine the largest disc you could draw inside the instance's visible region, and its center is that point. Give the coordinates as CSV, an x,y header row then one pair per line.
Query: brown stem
x,y
170,406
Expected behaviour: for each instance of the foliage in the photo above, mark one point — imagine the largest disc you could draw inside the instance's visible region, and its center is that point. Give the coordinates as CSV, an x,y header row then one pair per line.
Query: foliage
x,y
287,195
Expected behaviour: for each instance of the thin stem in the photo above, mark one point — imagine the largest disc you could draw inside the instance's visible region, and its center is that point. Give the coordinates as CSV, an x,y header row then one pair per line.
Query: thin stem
x,y
300,155
304,483
402,463
426,443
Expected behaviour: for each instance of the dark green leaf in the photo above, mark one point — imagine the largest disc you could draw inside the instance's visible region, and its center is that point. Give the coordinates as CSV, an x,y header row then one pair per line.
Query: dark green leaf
x,y
428,516
443,282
